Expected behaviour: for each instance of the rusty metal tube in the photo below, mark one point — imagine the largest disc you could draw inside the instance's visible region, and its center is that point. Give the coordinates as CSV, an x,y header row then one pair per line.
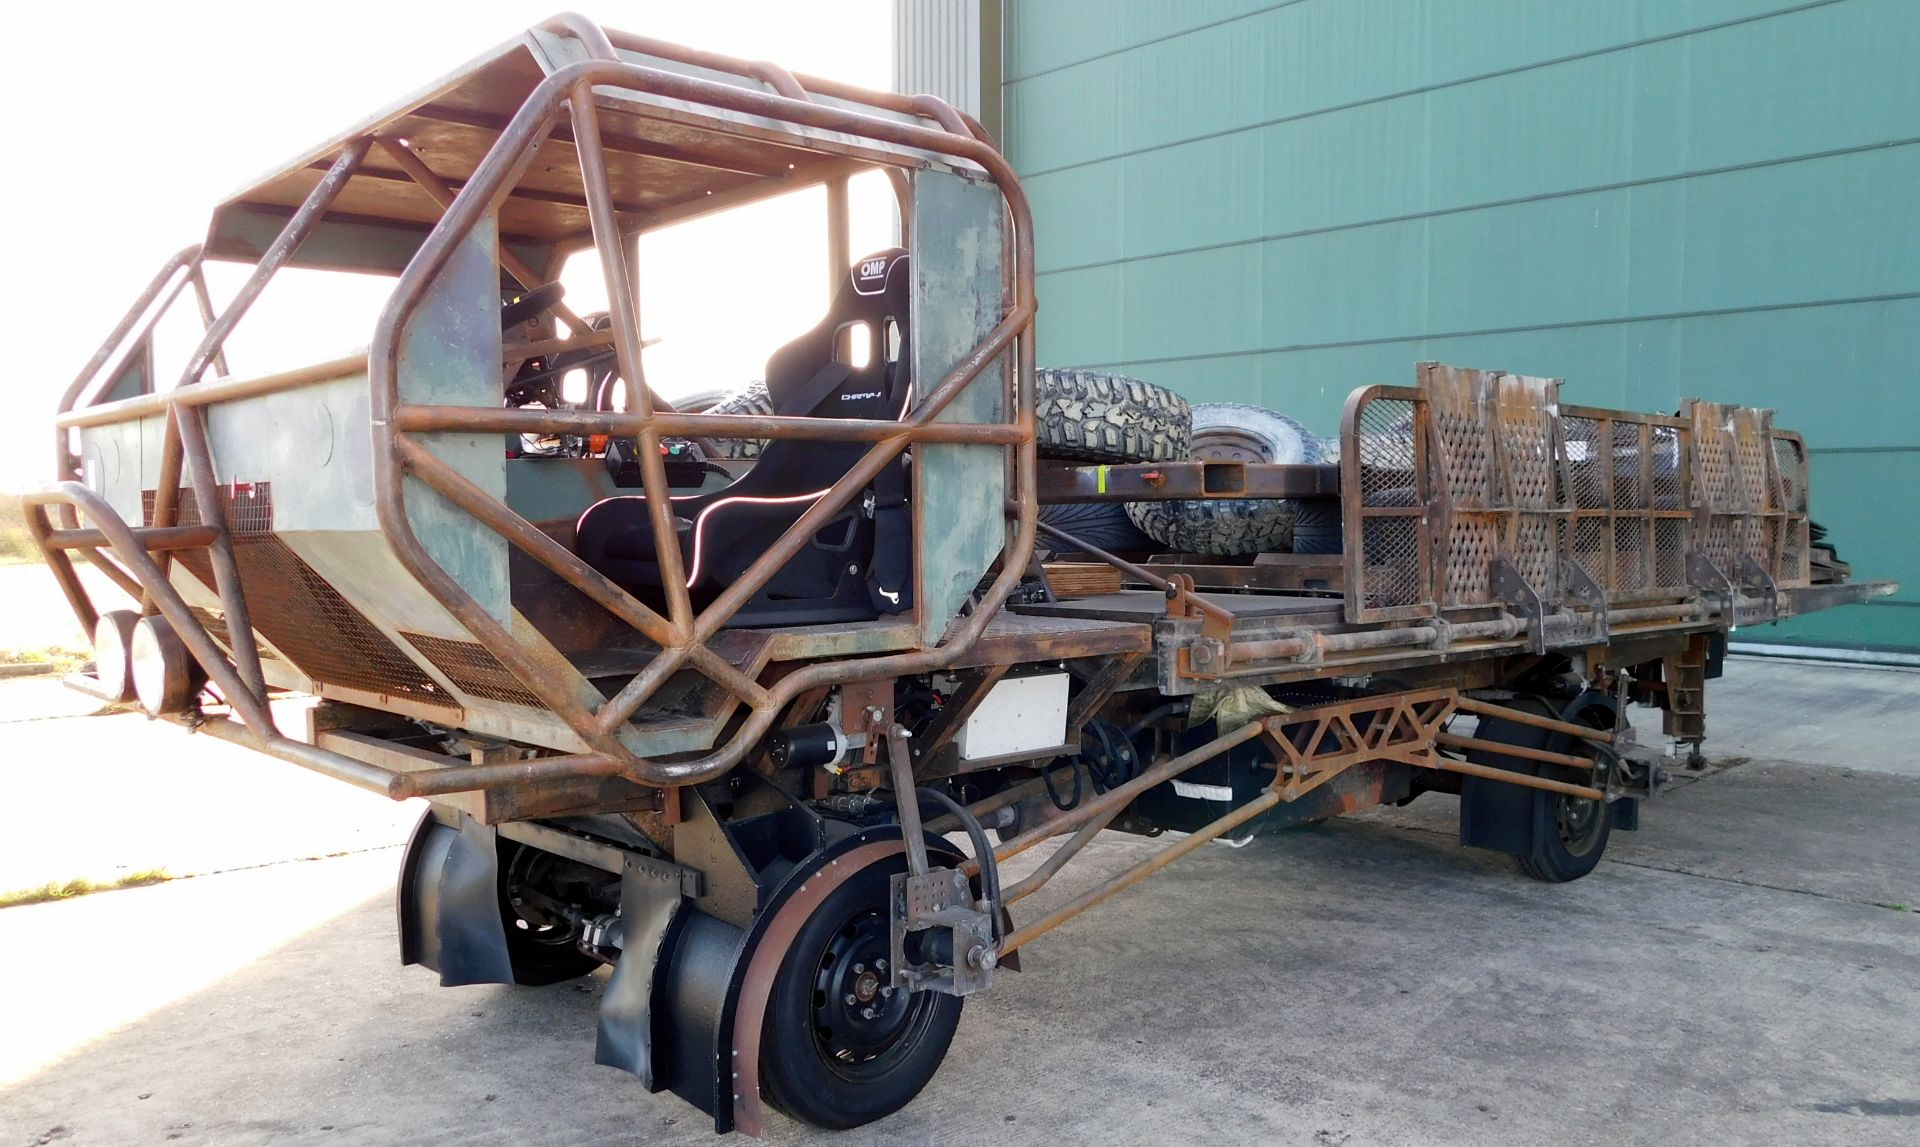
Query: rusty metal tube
x,y
1037,879
1013,794
326,762
198,455
476,778
1120,796
187,257
1132,876
1520,752
1522,717
1485,772
414,417
212,392
564,562
277,255
167,538
624,307
437,190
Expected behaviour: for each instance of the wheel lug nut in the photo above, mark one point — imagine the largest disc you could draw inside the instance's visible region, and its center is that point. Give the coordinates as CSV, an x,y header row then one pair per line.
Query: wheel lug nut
x,y
880,964
866,1013
886,993
852,999
859,968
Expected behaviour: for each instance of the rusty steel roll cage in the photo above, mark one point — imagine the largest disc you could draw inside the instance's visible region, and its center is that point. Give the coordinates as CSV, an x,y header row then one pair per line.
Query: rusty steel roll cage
x,y
681,633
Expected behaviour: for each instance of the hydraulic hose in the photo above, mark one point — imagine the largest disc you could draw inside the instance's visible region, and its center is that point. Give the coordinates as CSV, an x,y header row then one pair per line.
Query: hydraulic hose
x,y
982,848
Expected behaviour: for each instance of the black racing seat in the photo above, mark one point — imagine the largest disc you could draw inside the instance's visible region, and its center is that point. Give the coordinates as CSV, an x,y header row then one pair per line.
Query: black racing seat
x,y
855,567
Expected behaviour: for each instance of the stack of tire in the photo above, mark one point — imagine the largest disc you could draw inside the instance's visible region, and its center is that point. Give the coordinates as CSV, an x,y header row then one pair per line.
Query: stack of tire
x,y
1089,416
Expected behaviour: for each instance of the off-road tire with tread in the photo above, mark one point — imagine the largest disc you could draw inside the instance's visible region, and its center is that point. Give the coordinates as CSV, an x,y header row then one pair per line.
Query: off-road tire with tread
x,y
1091,416
749,399
1226,527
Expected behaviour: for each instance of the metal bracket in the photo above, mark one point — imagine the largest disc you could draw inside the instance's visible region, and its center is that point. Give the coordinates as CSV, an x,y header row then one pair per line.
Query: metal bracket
x,y
1754,576
1581,587
956,953
1703,575
1521,599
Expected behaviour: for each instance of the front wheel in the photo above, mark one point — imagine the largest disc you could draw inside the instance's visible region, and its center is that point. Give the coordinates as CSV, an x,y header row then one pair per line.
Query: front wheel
x,y
841,1046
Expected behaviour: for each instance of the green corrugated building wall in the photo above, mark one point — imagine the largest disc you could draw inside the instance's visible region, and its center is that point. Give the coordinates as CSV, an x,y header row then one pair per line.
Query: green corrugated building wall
x,y
1277,201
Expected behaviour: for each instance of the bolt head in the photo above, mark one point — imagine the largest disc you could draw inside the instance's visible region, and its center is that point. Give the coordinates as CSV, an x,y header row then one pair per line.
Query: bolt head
x,y
859,968
850,999
866,1013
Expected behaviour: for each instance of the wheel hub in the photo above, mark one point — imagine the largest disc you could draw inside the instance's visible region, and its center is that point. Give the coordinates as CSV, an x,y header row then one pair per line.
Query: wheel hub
x,y
857,1015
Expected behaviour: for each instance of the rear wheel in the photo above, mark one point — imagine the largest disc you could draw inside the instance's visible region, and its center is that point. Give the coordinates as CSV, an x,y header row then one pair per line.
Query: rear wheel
x,y
1569,833
841,1046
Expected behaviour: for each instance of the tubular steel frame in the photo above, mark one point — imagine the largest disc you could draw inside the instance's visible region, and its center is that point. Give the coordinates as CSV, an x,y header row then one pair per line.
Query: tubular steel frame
x,y
681,634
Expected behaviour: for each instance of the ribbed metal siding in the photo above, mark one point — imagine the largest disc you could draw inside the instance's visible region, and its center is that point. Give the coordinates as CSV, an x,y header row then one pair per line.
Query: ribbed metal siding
x,y
1275,202
936,50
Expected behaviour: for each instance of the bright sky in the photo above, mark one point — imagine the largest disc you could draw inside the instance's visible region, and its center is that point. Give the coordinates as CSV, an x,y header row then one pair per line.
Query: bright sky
x,y
120,161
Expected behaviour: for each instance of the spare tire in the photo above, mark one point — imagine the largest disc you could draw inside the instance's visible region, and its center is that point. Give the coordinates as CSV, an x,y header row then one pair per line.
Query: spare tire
x,y
1226,527
1090,416
749,399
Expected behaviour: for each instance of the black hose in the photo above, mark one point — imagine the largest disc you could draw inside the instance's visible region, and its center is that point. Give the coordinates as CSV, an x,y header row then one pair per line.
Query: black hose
x,y
1180,705
1113,765
982,849
1053,794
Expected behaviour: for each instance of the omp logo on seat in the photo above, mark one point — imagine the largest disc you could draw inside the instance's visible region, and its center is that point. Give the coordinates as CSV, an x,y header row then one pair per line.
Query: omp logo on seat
x,y
873,269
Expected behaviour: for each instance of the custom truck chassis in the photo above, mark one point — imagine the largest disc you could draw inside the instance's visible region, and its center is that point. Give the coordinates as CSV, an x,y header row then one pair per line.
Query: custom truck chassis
x,y
712,724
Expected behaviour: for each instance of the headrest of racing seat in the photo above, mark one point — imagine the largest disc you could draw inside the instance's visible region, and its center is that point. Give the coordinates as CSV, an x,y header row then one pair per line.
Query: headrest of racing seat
x,y
877,293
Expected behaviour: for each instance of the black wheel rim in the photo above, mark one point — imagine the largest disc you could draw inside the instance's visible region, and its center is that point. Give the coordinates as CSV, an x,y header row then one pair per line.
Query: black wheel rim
x,y
1578,822
863,1027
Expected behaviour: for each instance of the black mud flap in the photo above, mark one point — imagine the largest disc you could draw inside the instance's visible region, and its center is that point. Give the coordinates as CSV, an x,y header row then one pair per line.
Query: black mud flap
x,y
650,910
448,901
1513,818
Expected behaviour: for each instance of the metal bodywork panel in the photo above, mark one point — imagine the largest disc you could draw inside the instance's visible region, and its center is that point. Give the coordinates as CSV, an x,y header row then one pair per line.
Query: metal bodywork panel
x,y
959,489
450,354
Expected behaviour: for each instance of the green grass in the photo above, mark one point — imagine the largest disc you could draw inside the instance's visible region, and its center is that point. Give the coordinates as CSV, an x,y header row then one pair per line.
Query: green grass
x,y
58,890
16,545
1897,907
59,657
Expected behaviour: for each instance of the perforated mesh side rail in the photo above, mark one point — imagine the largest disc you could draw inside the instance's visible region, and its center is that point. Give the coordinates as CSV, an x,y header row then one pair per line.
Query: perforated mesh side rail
x,y
1629,522
1790,461
1384,492
1439,480
1751,492
1497,488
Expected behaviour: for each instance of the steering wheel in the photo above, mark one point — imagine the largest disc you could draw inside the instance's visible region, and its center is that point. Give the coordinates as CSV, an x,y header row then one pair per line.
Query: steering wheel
x,y
534,303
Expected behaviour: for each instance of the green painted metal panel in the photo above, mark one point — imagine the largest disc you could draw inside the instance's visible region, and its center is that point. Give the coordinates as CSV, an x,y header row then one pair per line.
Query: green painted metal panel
x,y
1653,199
959,490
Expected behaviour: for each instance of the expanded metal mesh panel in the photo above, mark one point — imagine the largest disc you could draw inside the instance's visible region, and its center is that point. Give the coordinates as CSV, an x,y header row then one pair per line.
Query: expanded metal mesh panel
x,y
1384,508
1789,456
1477,467
1466,457
473,670
216,627
1753,494
1472,542
294,608
1391,570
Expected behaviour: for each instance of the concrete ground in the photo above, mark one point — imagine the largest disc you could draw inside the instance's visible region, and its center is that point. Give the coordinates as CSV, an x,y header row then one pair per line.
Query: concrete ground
x,y
1732,973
